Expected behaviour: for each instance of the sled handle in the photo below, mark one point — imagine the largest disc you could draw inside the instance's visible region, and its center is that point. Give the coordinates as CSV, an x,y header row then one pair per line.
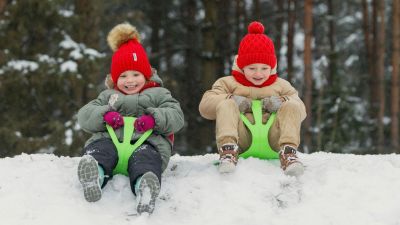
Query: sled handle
x,y
259,147
125,149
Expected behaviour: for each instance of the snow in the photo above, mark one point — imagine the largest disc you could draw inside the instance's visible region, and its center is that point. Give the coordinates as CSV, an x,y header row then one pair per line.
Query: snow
x,y
79,50
69,66
299,41
46,59
351,38
76,54
347,19
68,43
335,189
23,65
66,13
319,67
68,136
351,60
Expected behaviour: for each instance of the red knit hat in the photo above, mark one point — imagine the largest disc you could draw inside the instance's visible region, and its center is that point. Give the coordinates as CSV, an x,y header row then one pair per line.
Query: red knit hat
x,y
129,54
256,47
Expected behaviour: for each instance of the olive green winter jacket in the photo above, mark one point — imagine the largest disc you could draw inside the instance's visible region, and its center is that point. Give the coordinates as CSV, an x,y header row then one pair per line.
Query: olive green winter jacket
x,y
156,101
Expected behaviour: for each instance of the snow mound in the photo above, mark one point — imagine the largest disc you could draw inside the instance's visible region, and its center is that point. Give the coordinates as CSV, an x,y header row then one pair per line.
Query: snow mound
x,y
335,189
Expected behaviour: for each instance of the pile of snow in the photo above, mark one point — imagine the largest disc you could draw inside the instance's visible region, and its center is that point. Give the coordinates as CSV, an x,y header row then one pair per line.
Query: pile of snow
x,y
335,189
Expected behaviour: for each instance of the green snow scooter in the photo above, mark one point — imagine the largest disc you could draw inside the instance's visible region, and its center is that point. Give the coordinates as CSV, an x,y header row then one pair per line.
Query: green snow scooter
x,y
259,147
125,148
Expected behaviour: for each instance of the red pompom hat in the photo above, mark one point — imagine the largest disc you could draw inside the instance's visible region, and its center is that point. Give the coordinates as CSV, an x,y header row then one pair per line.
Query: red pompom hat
x,y
130,56
256,47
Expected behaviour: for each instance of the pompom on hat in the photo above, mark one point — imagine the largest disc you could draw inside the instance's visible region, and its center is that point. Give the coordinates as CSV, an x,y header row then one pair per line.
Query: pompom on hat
x,y
256,47
129,54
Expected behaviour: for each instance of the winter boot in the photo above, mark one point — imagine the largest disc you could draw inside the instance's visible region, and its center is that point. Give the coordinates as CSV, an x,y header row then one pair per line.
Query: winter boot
x,y
228,157
290,162
147,188
91,176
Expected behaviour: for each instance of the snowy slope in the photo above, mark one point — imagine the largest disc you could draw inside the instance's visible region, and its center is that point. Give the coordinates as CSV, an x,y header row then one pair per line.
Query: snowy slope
x,y
335,189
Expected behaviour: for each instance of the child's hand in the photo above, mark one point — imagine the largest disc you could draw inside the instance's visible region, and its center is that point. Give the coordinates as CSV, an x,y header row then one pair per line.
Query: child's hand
x,y
272,104
114,119
144,123
243,103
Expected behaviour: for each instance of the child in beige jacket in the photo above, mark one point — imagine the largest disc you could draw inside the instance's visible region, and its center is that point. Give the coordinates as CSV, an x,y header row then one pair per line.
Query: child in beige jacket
x,y
254,77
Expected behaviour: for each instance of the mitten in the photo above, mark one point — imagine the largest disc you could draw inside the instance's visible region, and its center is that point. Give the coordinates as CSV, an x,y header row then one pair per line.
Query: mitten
x,y
144,123
114,119
243,103
271,104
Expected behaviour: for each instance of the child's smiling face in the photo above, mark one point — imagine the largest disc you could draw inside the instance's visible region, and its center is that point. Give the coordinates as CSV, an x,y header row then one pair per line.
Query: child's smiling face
x,y
131,82
257,73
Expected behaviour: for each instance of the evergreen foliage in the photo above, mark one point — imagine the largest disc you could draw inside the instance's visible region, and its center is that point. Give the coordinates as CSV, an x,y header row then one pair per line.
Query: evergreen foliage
x,y
54,58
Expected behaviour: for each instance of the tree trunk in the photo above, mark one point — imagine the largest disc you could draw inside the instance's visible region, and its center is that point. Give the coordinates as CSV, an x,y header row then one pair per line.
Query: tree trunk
x,y
320,107
3,4
87,31
331,78
209,44
256,10
279,27
292,8
373,79
240,22
380,72
156,16
395,101
223,39
308,27
367,36
332,46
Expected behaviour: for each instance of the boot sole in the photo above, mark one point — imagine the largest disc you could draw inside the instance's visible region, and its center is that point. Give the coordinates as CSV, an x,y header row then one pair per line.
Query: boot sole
x,y
149,189
88,174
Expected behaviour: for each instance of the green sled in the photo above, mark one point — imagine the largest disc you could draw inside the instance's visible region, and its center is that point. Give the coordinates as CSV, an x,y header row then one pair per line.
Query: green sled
x,y
125,148
259,147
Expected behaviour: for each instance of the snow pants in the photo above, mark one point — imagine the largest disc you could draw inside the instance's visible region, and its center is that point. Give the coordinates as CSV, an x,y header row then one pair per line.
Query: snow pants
x,y
284,130
144,159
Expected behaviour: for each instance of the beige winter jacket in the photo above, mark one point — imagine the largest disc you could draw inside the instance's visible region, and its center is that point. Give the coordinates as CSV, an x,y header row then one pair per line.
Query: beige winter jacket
x,y
227,86
217,104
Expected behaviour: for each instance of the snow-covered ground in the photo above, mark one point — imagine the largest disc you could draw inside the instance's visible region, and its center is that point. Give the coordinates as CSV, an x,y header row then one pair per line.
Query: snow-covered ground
x,y
335,189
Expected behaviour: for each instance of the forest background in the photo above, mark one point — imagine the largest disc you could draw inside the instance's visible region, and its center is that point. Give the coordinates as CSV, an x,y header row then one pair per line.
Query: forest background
x,y
342,56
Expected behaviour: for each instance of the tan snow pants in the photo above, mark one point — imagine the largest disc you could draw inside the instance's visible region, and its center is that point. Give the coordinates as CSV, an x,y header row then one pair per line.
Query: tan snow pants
x,y
285,129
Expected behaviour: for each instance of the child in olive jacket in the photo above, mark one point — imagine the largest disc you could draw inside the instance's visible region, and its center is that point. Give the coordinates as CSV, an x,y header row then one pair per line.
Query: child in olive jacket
x,y
254,77
134,90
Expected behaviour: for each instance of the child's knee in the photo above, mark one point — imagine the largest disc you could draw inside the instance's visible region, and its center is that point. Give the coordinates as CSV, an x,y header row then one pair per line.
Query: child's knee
x,y
290,106
293,109
227,104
